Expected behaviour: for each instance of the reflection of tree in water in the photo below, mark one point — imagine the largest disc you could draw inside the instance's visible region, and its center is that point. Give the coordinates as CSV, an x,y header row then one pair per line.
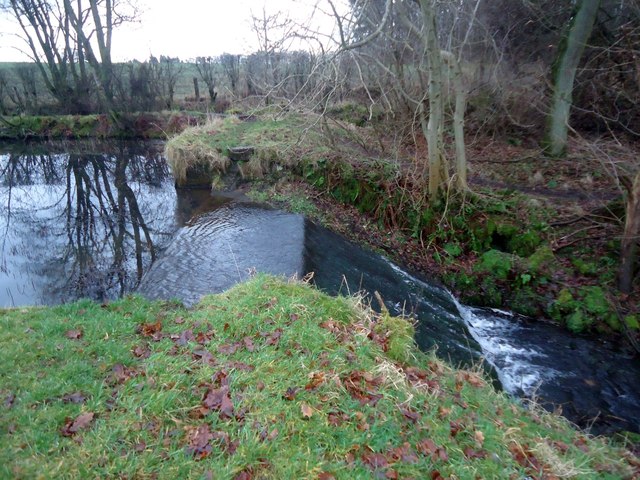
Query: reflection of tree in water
x,y
83,228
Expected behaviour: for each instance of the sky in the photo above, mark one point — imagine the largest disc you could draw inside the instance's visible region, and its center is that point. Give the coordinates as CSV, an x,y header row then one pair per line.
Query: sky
x,y
184,28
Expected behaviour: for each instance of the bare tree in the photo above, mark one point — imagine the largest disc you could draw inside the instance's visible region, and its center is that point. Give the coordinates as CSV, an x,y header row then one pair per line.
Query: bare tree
x,y
274,32
63,37
231,66
24,94
4,90
207,68
402,44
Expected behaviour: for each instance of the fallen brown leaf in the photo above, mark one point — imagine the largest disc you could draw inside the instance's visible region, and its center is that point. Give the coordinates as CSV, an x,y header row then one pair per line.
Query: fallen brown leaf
x,y
374,461
455,428
317,379
198,441
218,399
427,447
326,476
248,344
204,338
76,397
274,337
403,453
336,419
361,386
241,366
204,356
228,349
184,338
414,417
306,410
9,400
150,329
73,426
74,334
141,351
290,394
121,374
470,453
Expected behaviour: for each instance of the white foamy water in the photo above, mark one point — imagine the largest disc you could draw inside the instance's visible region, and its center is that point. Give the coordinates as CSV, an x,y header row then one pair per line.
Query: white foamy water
x,y
517,366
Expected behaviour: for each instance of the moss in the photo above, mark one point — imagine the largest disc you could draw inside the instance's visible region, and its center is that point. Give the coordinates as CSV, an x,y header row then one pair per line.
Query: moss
x,y
495,262
587,307
524,244
595,300
585,268
453,249
525,302
542,260
563,304
507,230
632,322
578,322
490,294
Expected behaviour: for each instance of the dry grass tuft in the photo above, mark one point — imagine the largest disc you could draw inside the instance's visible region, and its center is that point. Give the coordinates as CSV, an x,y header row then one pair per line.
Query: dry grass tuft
x,y
558,466
192,150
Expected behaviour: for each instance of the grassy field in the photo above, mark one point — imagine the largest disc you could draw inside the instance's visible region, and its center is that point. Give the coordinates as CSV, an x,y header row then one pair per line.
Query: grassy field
x,y
272,379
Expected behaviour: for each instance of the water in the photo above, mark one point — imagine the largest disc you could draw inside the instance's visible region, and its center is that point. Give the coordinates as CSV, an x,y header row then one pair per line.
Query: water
x,y
83,224
81,219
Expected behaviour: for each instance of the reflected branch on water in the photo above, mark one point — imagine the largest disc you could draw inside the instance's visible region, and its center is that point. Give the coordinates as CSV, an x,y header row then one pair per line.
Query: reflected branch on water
x,y
82,225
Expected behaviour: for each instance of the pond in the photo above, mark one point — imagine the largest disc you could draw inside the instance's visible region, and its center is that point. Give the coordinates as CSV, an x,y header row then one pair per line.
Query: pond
x,y
97,220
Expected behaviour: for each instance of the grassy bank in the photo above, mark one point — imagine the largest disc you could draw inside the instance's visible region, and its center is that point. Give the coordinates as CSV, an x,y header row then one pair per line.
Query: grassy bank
x,y
496,246
155,125
270,380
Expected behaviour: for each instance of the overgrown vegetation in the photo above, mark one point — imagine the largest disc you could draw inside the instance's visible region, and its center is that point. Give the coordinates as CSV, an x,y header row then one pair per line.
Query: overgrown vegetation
x,y
271,379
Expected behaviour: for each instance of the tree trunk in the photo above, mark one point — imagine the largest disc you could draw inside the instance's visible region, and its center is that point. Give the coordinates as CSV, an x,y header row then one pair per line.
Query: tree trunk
x,y
631,236
458,121
564,73
196,89
434,130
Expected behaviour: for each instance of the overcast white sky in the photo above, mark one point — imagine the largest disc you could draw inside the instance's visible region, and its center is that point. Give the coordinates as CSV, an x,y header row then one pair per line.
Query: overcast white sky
x,y
183,28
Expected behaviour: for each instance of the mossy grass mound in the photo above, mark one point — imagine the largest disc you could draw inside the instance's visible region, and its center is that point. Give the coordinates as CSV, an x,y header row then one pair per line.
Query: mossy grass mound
x,y
273,141
272,379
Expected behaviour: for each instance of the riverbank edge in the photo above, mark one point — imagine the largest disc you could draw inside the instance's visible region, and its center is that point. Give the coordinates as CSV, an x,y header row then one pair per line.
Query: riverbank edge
x,y
493,249
139,125
271,378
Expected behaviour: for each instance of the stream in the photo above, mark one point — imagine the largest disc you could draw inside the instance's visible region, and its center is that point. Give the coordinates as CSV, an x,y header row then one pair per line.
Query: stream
x,y
101,220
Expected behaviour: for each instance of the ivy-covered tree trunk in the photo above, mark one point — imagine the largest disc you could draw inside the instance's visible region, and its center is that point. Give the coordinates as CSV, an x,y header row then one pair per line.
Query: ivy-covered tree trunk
x,y
564,73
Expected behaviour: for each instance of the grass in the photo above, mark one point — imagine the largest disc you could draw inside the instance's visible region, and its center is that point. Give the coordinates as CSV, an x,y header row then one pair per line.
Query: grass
x,y
271,379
